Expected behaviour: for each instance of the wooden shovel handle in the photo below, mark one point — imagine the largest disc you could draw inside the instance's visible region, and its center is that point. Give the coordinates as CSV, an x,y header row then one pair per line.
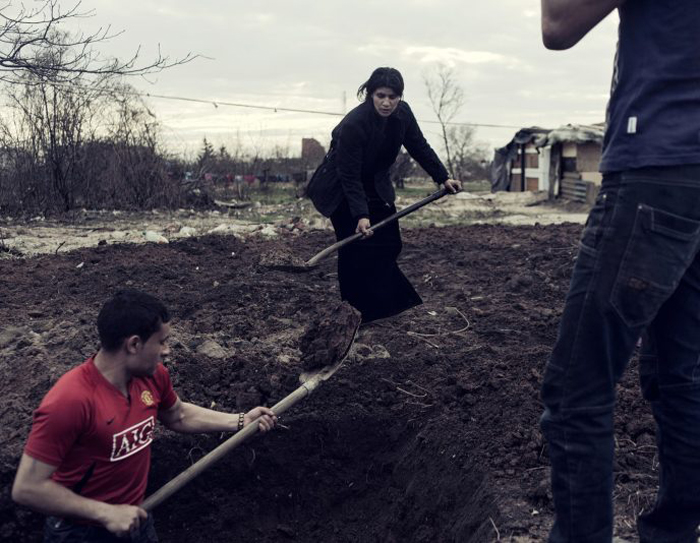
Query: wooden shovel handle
x,y
391,218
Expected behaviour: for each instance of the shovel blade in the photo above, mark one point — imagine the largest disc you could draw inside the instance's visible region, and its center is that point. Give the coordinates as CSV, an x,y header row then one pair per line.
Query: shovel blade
x,y
324,373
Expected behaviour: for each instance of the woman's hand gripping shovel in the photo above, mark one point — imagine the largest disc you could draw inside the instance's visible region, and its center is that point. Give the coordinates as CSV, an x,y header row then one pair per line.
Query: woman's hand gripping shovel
x,y
331,340
282,260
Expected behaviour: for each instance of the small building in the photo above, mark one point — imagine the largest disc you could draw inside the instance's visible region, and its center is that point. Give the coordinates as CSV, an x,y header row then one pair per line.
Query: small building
x,y
563,162
312,152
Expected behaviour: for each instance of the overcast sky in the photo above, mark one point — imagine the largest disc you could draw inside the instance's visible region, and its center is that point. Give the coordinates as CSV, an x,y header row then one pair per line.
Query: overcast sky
x,y
309,54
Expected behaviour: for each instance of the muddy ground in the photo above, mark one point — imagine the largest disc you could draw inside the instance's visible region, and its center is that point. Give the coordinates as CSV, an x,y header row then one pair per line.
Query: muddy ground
x,y
428,433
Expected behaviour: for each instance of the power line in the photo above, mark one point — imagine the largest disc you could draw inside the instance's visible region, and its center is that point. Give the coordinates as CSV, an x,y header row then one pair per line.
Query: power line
x,y
275,109
233,104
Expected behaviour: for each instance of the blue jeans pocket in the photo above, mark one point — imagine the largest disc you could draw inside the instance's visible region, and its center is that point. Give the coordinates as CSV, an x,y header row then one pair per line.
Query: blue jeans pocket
x,y
660,249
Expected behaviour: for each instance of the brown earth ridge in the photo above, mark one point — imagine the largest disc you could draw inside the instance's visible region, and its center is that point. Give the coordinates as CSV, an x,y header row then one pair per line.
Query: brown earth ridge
x,y
428,433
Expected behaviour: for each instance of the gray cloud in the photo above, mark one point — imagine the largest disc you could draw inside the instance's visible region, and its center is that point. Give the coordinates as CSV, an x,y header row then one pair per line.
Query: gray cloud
x,y
313,55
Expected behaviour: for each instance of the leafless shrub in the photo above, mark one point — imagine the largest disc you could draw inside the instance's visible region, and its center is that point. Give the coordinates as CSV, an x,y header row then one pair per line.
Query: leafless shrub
x,y
72,134
81,145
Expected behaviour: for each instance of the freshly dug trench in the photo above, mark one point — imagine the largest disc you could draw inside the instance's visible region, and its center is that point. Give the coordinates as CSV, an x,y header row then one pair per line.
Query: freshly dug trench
x,y
327,340
364,478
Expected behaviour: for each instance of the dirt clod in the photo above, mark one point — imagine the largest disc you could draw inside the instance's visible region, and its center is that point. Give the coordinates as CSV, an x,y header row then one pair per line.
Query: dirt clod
x,y
282,259
328,338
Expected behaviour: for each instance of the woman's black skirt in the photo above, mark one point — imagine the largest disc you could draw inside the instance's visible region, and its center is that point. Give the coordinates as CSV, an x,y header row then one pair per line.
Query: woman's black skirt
x,y
370,280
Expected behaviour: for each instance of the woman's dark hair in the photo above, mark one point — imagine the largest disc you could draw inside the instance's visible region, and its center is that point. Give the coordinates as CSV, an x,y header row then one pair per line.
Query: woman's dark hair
x,y
129,313
381,77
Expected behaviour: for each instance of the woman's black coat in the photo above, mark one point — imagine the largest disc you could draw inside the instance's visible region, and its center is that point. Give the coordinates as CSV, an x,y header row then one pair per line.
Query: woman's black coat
x,y
364,146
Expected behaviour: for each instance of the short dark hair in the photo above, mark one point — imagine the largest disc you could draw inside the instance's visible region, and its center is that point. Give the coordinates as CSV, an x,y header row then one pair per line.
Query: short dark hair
x,y
381,77
129,313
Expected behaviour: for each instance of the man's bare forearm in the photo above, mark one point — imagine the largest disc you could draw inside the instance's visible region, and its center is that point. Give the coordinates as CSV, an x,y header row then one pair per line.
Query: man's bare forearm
x,y
565,22
194,419
50,498
34,488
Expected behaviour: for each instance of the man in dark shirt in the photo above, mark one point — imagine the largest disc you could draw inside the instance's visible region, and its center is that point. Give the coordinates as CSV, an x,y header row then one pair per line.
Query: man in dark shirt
x,y
637,272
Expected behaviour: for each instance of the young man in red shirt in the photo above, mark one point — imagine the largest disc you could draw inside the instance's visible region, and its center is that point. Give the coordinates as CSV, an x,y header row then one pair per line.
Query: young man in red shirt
x,y
87,457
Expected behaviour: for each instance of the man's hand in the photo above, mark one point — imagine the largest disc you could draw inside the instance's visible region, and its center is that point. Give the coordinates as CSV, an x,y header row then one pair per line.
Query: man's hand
x,y
453,186
363,228
122,519
264,415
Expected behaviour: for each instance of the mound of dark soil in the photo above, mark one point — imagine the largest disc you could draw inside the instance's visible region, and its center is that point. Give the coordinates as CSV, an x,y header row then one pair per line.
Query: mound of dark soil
x,y
282,259
328,339
428,433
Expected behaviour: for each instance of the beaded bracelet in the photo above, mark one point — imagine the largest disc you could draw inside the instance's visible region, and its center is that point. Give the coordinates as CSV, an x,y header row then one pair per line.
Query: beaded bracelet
x,y
240,421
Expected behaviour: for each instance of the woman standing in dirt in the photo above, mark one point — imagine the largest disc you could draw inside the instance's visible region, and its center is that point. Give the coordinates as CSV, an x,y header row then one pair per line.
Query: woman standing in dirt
x,y
353,187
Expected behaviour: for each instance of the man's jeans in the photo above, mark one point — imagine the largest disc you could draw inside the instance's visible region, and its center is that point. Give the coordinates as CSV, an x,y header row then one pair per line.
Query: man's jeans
x,y
637,270
62,531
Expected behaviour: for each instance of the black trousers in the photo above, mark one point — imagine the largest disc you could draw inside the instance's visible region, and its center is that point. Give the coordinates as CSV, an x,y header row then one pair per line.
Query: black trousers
x,y
370,280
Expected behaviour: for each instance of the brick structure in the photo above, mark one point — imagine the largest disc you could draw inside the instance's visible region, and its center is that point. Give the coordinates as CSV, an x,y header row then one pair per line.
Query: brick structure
x,y
312,152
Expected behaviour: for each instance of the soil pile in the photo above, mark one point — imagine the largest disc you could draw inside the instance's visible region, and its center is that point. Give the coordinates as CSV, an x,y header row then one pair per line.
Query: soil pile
x,y
428,432
329,338
281,259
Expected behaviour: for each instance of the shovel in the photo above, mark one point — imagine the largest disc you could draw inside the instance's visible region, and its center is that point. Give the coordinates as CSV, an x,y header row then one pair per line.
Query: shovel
x,y
310,380
293,263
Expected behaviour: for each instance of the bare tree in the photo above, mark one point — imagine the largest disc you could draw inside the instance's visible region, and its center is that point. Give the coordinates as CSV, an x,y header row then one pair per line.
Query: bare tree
x,y
56,84
446,98
132,170
65,146
52,124
469,157
30,42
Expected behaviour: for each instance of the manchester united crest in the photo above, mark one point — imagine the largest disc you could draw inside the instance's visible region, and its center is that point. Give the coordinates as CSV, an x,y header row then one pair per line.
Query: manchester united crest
x,y
147,398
